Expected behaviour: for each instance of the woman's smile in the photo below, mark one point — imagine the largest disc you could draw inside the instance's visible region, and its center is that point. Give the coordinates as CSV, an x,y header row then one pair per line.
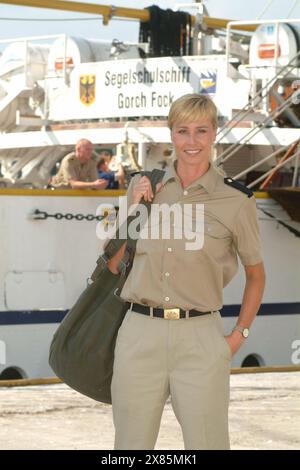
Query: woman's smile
x,y
193,140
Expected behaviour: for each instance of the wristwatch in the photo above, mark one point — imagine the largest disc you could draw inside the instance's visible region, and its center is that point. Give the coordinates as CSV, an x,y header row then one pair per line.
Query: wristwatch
x,y
244,331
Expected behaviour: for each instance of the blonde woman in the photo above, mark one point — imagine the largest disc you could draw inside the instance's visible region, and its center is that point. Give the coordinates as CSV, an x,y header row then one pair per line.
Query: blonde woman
x,y
172,341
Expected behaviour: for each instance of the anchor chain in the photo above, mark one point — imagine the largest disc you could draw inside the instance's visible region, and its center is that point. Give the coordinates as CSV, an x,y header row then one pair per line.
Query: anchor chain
x,y
43,215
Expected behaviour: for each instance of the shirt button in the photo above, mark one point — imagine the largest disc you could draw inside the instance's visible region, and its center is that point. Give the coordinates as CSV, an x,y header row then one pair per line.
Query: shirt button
x,y
167,299
167,274
169,249
185,193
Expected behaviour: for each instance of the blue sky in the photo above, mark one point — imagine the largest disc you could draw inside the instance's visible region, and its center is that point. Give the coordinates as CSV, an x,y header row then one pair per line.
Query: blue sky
x,y
233,9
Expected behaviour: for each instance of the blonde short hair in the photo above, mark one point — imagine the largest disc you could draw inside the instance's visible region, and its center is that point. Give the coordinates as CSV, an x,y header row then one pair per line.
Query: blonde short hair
x,y
191,107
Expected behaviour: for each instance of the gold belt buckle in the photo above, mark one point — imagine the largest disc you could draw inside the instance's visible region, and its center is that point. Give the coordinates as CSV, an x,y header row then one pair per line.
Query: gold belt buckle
x,y
171,313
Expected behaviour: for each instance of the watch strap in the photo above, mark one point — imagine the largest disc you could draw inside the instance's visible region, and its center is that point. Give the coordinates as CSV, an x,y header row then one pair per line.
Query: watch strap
x,y
242,330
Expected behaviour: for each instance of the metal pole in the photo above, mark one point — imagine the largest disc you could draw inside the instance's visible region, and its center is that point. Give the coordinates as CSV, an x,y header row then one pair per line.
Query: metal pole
x,y
276,46
142,154
82,7
295,175
228,29
65,60
26,63
260,162
109,11
253,183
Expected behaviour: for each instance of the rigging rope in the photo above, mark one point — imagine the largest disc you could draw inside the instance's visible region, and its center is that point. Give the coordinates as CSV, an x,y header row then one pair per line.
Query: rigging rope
x,y
266,8
292,8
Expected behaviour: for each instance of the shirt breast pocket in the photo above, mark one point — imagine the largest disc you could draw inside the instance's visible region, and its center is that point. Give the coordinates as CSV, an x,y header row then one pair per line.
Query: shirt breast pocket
x,y
215,229
217,240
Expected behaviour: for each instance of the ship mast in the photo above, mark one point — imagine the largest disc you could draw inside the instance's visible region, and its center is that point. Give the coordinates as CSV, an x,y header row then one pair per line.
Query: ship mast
x,y
109,11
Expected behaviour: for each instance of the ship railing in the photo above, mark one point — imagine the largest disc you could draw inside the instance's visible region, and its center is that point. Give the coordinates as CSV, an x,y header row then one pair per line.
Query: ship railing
x,y
260,95
28,40
234,148
294,156
277,23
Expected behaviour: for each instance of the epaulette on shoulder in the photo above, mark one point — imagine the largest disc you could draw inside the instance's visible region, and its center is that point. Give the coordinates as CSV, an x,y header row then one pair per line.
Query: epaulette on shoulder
x,y
239,186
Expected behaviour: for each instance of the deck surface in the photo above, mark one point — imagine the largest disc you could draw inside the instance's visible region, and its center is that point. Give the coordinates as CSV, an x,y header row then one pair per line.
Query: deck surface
x,y
264,414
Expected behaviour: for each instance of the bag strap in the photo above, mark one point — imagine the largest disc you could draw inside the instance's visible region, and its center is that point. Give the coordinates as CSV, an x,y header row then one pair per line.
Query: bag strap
x,y
155,176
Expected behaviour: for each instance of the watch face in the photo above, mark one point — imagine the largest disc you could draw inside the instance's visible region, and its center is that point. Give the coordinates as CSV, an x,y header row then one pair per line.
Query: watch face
x,y
245,332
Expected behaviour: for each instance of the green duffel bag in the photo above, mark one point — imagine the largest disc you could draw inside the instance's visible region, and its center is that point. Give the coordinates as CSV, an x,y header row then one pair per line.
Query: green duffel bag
x,y
82,348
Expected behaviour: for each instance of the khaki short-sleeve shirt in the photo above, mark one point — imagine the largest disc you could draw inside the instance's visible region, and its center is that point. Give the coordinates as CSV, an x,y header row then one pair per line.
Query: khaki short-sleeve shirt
x,y
71,169
167,274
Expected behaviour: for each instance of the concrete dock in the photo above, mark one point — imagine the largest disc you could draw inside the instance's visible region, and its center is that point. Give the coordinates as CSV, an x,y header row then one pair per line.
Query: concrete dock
x,y
264,414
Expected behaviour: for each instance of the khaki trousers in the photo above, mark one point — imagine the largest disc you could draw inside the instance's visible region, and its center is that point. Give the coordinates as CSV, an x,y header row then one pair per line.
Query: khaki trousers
x,y
188,359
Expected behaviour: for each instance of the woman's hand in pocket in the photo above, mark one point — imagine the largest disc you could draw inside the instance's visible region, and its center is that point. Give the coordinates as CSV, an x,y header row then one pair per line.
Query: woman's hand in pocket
x,y
235,341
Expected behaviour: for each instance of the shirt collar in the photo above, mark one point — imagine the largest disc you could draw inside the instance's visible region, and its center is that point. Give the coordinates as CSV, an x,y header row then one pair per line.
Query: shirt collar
x,y
208,181
170,173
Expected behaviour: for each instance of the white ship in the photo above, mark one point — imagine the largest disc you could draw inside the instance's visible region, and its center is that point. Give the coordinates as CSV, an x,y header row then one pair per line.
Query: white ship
x,y
56,90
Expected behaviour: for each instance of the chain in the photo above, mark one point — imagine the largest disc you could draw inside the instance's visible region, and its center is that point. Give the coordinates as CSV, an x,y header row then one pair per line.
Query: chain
x,y
42,215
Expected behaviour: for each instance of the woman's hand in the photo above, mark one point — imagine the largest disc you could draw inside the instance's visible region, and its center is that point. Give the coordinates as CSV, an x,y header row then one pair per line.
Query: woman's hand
x,y
235,341
143,189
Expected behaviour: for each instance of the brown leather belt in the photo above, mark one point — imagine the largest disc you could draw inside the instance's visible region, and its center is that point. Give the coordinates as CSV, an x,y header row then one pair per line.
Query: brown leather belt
x,y
166,313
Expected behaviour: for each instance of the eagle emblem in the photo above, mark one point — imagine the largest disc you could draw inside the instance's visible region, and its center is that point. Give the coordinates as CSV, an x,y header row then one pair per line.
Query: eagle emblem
x,y
87,89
